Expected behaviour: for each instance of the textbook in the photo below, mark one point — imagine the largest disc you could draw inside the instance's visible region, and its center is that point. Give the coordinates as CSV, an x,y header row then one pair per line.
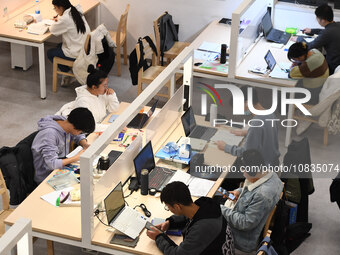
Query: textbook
x,y
37,28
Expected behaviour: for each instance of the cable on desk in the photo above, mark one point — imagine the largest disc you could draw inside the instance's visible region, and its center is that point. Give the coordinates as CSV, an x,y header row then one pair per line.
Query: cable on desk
x,y
96,213
129,194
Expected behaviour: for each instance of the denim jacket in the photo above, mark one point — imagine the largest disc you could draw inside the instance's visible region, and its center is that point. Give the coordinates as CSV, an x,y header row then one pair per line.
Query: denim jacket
x,y
247,218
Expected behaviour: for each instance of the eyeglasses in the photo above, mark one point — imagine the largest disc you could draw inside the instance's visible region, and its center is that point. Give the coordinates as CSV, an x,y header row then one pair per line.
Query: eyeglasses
x,y
166,208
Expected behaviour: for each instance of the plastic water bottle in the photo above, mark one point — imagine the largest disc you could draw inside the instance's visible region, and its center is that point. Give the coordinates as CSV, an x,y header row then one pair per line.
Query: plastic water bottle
x,y
37,10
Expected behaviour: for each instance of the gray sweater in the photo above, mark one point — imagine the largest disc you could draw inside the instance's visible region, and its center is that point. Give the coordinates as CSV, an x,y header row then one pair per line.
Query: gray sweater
x,y
329,38
263,139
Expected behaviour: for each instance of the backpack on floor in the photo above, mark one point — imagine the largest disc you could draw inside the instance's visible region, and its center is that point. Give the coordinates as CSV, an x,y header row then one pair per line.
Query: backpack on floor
x,y
134,67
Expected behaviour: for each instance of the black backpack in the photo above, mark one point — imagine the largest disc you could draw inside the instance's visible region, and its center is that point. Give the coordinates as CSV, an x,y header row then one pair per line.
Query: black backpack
x,y
107,58
134,67
168,33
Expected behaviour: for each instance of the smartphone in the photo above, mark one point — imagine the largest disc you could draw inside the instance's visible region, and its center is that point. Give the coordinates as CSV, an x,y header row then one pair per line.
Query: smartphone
x,y
226,193
148,226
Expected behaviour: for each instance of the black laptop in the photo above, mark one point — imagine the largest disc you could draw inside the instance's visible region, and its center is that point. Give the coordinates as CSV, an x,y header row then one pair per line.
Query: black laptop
x,y
271,34
141,118
158,176
193,130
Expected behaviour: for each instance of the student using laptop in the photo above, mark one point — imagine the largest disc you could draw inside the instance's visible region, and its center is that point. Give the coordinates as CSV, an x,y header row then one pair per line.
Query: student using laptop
x,y
206,232
310,67
262,138
329,38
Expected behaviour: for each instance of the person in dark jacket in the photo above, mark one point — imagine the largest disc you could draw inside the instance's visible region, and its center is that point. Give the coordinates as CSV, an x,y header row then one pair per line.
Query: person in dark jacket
x,y
205,231
329,38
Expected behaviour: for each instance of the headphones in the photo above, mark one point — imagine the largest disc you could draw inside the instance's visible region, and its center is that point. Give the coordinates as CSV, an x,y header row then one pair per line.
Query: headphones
x,y
170,147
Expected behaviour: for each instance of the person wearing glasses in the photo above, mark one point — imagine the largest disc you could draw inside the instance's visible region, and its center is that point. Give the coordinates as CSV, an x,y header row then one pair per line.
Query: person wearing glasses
x,y
310,67
72,26
205,231
248,212
52,143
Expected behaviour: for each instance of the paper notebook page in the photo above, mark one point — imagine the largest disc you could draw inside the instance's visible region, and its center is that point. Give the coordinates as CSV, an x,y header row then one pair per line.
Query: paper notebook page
x,y
227,137
180,176
200,187
74,152
51,198
212,47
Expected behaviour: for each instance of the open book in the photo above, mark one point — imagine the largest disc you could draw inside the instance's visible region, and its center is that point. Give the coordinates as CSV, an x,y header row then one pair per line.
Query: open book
x,y
37,28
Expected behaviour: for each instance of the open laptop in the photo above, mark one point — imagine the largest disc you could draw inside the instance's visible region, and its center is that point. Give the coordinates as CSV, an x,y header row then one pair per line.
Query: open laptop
x,y
194,131
141,118
121,217
158,176
272,34
276,71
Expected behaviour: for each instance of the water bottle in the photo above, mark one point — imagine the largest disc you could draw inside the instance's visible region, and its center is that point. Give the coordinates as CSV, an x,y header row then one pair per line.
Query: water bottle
x,y
37,10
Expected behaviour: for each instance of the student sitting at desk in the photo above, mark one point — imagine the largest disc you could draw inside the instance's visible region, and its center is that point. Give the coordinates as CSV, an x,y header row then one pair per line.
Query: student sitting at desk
x,y
310,65
52,143
248,212
72,26
95,96
329,38
206,232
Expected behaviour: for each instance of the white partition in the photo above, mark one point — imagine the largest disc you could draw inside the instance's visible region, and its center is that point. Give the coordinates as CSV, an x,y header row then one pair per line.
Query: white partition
x,y
185,61
19,235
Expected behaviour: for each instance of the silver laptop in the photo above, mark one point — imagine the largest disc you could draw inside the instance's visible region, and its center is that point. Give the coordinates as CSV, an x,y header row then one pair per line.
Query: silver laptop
x,y
121,217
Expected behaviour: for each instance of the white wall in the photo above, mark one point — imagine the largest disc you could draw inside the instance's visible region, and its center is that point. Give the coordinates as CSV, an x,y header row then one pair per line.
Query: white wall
x,y
192,15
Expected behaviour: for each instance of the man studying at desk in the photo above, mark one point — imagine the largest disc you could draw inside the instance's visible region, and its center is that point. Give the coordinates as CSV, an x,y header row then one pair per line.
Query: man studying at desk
x,y
206,232
329,38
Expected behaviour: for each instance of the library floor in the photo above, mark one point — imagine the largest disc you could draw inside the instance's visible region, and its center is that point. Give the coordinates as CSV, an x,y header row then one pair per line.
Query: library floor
x,y
21,108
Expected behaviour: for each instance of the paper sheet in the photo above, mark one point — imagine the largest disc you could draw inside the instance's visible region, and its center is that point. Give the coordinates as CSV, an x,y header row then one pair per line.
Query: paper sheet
x,y
209,46
204,55
74,152
51,198
227,137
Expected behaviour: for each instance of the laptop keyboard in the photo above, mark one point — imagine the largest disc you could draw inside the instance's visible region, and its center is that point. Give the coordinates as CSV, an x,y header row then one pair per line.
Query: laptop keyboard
x,y
204,133
125,220
158,176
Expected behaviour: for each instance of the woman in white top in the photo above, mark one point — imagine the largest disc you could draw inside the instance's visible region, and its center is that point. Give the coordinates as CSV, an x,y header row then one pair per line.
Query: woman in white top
x,y
72,26
96,96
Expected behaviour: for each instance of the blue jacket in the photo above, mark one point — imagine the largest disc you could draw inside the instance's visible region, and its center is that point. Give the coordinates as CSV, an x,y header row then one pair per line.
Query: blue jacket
x,y
247,218
50,145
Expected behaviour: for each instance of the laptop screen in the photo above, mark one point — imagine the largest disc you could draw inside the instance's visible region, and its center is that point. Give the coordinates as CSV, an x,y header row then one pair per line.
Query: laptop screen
x,y
144,160
188,121
266,24
270,60
114,202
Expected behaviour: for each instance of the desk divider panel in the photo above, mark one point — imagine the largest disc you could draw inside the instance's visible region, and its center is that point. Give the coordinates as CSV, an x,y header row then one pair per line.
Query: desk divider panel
x,y
163,121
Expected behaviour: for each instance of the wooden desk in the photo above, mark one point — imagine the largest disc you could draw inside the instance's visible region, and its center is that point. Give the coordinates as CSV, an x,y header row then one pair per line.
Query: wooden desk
x,y
63,224
9,33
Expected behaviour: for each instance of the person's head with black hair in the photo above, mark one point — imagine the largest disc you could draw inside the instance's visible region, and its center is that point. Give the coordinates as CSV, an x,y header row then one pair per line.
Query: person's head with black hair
x,y
176,196
324,14
298,52
97,81
252,164
82,121
61,5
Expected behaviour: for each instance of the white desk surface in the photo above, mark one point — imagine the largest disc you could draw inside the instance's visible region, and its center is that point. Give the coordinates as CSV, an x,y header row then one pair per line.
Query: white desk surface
x,y
256,58
215,33
65,222
7,28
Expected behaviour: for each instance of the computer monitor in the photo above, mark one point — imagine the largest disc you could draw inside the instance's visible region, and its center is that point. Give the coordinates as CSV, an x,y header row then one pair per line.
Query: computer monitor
x,y
267,24
270,60
144,160
114,202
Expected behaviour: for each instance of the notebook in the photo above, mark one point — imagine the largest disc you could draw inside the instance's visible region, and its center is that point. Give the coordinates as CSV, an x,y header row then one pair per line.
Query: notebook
x,y
121,217
37,28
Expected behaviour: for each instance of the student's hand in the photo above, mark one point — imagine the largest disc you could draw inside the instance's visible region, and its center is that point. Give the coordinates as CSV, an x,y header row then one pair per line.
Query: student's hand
x,y
307,30
83,143
55,18
239,132
152,234
220,145
163,226
235,193
110,91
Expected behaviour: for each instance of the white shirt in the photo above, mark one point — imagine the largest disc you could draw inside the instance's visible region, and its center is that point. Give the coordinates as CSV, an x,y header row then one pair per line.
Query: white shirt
x,y
72,40
98,105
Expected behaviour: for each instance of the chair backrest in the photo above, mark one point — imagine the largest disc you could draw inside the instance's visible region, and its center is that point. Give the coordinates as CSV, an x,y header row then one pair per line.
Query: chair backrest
x,y
122,25
158,36
4,192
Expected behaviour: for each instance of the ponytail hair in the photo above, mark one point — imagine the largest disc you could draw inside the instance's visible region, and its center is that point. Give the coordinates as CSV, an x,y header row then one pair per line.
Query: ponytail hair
x,y
297,50
76,16
95,77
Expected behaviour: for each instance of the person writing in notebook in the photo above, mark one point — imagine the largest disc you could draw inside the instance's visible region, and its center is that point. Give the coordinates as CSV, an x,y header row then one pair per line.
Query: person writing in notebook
x,y
206,232
52,143
72,26
328,38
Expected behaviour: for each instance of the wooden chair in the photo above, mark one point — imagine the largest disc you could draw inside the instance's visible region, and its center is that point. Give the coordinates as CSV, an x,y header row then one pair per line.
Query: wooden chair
x,y
6,211
152,72
268,233
175,49
60,61
119,37
309,119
